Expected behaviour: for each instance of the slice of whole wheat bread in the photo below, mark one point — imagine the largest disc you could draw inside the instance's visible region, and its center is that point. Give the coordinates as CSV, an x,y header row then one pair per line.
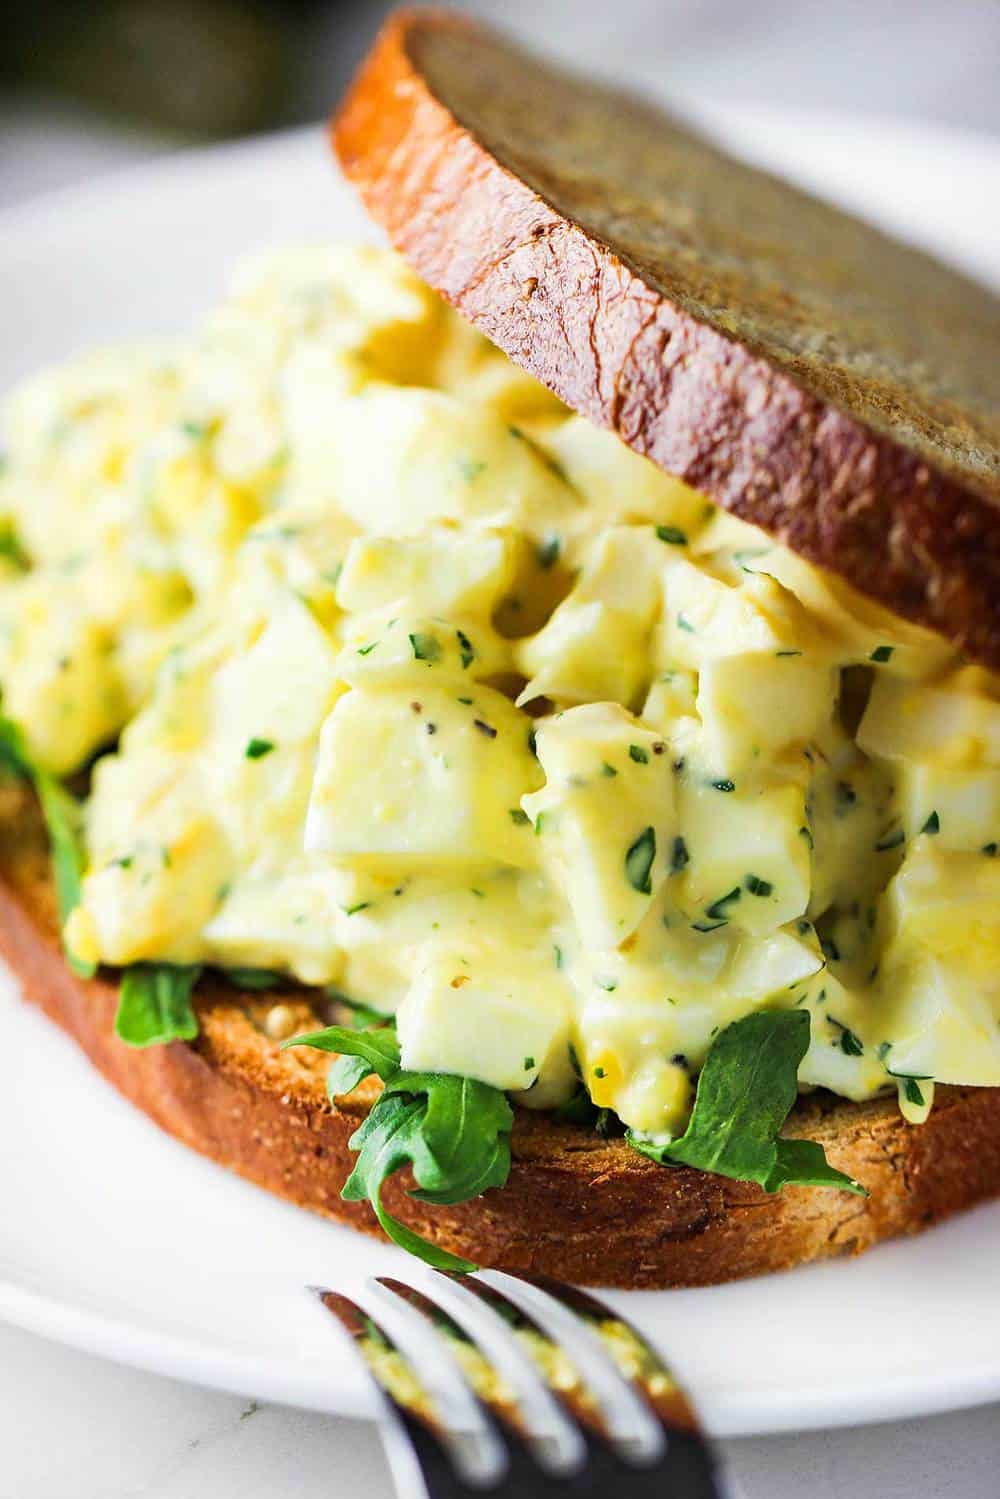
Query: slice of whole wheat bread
x,y
576,1206
812,375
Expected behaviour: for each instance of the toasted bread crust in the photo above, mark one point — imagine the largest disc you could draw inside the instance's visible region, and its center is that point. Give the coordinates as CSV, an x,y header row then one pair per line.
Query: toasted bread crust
x,y
576,1207
809,374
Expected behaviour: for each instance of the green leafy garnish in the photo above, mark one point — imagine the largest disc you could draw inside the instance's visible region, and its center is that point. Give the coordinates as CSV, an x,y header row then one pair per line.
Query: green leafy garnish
x,y
154,1004
882,653
672,535
638,754
746,1091
453,1131
63,819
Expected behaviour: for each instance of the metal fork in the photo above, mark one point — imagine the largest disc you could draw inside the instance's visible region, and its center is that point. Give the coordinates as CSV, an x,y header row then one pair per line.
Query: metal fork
x,y
522,1388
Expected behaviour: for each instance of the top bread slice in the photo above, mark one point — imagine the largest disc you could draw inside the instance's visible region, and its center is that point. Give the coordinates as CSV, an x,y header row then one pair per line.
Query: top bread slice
x,y
814,376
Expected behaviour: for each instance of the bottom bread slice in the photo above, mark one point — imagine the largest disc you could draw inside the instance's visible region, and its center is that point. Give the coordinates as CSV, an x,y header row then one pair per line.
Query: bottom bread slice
x,y
576,1206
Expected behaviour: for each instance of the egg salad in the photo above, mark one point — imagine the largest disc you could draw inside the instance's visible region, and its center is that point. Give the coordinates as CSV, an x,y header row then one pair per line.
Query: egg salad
x,y
391,674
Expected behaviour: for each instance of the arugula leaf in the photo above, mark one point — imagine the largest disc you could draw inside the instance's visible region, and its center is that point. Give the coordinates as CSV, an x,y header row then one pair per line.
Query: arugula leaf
x,y
63,816
360,1016
358,1055
154,1004
746,1091
254,979
453,1131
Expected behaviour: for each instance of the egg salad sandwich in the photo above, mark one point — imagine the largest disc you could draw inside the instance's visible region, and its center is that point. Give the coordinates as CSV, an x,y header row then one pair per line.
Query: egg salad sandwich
x,y
501,736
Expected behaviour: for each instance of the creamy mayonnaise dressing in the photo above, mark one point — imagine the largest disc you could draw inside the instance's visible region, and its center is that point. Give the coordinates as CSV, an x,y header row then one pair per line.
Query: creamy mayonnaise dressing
x,y
430,691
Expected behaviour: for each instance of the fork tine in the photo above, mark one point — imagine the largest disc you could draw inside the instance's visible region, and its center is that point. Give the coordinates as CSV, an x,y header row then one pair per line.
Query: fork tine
x,y
449,1458
690,1465
556,1368
636,1359
558,1451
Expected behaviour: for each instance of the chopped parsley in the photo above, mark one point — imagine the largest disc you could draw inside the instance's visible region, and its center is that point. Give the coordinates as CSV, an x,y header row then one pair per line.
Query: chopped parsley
x,y
849,1043
258,748
425,647
519,818
607,770
882,653
932,825
717,910
484,728
465,647
672,535
683,623
366,650
679,856
723,785
757,886
639,862
638,754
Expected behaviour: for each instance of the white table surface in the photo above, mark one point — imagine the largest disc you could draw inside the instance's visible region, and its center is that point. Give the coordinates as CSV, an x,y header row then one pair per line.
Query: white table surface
x,y
75,1427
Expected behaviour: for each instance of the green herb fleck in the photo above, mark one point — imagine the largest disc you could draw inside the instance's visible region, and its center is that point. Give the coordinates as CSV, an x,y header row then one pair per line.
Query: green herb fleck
x,y
672,535
638,754
850,1044
723,785
717,910
679,856
639,862
425,647
932,825
466,651
519,818
258,748
882,653
757,886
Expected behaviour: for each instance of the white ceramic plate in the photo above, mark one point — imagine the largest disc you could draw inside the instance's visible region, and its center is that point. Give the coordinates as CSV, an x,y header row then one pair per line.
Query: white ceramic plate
x,y
118,1240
